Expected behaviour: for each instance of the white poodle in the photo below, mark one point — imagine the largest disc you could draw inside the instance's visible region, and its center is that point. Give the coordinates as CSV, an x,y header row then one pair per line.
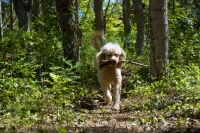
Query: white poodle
x,y
109,73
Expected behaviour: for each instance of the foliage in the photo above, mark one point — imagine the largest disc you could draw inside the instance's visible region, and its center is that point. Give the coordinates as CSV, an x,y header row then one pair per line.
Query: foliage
x,y
33,83
184,47
180,86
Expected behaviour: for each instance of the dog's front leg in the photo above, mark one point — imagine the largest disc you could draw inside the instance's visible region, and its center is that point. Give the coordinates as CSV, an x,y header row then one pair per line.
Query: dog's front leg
x,y
106,93
116,96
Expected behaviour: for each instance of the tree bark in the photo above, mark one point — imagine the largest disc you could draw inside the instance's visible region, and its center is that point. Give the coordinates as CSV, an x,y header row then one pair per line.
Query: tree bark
x,y
23,13
99,19
37,10
158,38
197,5
139,19
126,21
11,14
1,31
68,27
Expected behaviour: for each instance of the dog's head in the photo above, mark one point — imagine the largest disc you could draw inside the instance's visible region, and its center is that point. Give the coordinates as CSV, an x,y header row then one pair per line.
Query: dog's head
x,y
113,53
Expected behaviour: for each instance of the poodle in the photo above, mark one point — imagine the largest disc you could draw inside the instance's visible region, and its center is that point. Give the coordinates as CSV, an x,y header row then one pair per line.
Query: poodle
x,y
108,73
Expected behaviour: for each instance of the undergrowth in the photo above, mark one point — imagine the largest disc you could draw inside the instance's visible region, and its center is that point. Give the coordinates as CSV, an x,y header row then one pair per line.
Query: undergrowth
x,y
177,94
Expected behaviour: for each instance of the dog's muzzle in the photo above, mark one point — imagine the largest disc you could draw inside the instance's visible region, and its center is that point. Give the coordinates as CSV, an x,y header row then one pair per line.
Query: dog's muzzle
x,y
113,62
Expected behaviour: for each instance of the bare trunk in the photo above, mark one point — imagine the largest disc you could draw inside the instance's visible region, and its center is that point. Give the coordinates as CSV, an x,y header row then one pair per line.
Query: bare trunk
x,y
37,7
139,19
11,14
68,27
126,21
158,38
78,31
99,19
23,13
197,5
1,32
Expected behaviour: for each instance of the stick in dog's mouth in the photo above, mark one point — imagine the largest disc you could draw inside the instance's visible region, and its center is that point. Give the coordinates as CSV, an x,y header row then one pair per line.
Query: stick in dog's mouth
x,y
128,61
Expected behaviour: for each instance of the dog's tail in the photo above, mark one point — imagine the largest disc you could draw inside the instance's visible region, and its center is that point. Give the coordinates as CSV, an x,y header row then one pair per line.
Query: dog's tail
x,y
97,36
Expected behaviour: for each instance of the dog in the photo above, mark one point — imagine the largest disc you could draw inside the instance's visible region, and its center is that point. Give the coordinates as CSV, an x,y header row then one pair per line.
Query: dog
x,y
109,71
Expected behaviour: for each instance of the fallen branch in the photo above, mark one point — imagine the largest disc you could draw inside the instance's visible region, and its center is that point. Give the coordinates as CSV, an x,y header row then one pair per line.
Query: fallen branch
x,y
128,61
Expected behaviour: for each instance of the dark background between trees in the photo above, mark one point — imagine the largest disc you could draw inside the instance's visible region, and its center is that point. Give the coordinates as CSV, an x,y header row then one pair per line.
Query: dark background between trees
x,y
46,59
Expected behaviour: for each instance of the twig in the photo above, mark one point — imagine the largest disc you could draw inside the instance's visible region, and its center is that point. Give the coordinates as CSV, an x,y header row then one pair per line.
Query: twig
x,y
128,61
112,11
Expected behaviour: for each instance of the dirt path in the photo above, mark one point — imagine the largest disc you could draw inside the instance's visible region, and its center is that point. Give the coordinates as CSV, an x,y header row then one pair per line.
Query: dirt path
x,y
104,120
107,121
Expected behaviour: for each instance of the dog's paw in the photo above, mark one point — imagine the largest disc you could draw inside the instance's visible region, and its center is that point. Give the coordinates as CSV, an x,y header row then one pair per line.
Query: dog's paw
x,y
116,107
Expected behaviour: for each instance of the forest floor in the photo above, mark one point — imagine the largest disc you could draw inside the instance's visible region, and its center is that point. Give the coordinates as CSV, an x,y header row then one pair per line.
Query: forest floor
x,y
104,120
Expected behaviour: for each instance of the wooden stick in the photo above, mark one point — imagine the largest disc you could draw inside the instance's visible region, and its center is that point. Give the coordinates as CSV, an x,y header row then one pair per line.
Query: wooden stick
x,y
128,61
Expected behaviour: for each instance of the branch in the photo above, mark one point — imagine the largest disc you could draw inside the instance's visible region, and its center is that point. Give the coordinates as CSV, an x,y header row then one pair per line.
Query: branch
x,y
128,61
112,10
86,12
107,8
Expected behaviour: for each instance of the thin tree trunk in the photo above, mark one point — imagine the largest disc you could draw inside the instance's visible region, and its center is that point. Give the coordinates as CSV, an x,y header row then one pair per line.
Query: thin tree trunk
x,y
126,21
23,13
1,32
78,31
99,19
38,8
173,6
11,15
158,38
197,5
139,19
68,26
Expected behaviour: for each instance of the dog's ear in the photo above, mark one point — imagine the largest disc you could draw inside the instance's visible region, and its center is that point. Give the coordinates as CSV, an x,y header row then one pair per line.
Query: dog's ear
x,y
99,57
122,56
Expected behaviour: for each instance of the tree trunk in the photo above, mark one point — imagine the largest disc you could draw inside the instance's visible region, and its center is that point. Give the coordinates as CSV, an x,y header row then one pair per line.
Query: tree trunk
x,y
158,38
37,8
139,19
126,21
99,19
11,14
1,32
68,26
79,31
23,13
197,5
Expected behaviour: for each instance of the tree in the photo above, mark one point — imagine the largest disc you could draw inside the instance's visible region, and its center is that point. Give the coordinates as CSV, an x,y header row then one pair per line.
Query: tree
x,y
99,19
197,5
1,32
158,38
37,8
22,11
126,20
68,27
11,14
139,19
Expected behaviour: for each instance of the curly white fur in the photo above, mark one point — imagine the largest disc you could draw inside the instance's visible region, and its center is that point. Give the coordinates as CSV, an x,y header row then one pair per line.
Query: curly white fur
x,y
110,74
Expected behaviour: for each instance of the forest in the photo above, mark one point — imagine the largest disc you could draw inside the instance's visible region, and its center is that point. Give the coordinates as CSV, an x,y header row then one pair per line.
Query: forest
x,y
48,83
